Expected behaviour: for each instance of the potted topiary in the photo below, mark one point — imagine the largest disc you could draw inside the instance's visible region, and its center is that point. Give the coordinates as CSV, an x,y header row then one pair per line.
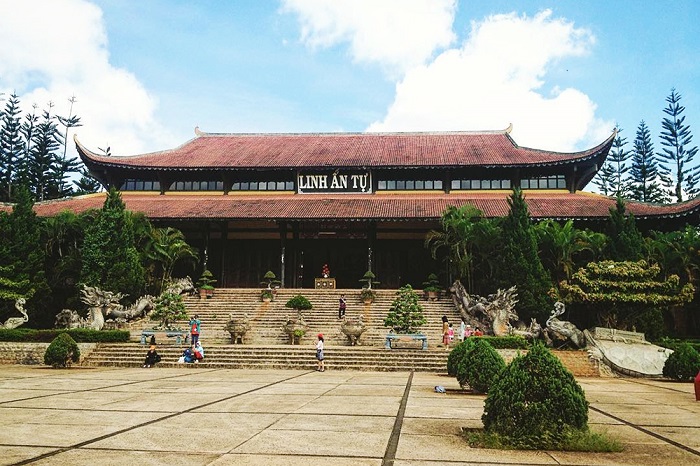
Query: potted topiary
x,y
367,295
405,315
205,284
266,295
168,308
431,287
271,285
297,327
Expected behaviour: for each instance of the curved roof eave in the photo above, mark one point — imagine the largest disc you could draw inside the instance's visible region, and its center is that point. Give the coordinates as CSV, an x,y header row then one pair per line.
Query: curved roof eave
x,y
92,159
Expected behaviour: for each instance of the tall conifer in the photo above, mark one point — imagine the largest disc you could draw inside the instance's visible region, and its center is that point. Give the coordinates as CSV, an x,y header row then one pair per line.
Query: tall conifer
x,y
644,174
520,262
676,157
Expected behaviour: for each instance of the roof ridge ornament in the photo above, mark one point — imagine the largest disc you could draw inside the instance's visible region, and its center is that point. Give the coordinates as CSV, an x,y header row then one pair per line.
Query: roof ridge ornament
x,y
198,132
509,128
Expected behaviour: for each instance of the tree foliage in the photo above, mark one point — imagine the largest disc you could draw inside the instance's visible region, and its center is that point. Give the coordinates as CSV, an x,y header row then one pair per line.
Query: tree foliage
x,y
644,169
405,314
110,258
683,364
168,308
520,263
676,158
621,291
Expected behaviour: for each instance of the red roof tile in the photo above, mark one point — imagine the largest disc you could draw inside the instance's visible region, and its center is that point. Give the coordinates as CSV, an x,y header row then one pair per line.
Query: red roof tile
x,y
246,151
423,206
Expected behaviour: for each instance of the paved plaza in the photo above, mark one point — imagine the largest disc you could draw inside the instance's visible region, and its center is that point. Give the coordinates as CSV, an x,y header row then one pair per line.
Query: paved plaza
x,y
191,416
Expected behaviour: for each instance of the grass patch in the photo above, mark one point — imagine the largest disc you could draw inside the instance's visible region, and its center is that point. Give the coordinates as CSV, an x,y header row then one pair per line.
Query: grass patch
x,y
585,441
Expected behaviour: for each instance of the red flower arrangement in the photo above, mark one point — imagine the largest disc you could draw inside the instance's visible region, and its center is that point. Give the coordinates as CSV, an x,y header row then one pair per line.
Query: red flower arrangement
x,y
325,271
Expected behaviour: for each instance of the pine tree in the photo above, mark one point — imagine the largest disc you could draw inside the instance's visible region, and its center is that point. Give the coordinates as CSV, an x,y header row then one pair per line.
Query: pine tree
x,y
11,146
520,263
110,258
605,179
23,259
66,165
43,158
610,179
28,131
644,169
86,184
676,157
618,159
625,241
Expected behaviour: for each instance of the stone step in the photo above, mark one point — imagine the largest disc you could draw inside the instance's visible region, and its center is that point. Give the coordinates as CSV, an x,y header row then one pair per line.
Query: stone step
x,y
302,357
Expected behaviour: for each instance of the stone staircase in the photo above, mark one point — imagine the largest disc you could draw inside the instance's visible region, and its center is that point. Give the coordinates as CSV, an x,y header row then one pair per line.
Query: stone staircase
x,y
267,346
278,357
266,319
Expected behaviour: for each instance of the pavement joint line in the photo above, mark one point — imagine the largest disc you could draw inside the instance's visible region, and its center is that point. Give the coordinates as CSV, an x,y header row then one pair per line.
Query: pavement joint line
x,y
153,421
393,444
648,432
94,389
641,382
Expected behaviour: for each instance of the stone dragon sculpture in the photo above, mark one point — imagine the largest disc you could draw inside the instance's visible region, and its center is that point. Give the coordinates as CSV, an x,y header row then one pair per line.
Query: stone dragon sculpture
x,y
14,322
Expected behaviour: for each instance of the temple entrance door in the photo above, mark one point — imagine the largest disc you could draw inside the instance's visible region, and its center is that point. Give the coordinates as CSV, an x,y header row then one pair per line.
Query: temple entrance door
x,y
346,259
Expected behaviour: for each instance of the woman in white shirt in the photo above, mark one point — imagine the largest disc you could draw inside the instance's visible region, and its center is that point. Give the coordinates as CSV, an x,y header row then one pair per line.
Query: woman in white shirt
x,y
319,353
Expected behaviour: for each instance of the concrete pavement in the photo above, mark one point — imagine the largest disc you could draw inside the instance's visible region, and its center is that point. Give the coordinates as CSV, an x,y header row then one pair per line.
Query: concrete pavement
x,y
113,416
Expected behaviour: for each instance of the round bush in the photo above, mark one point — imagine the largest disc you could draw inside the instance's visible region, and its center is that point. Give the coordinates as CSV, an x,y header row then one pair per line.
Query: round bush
x,y
483,365
683,364
535,402
458,353
62,351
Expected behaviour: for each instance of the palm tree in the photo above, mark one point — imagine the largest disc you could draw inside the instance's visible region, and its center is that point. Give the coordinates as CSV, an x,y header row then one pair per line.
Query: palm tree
x,y
559,244
463,235
167,246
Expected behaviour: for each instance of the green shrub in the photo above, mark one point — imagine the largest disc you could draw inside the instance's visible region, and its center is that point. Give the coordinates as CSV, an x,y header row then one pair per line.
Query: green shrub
x,y
683,364
456,355
508,342
80,335
299,302
62,351
535,402
483,366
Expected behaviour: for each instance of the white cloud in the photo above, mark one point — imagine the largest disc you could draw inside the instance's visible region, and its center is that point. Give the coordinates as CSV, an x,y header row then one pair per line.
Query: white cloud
x,y
55,49
496,78
397,35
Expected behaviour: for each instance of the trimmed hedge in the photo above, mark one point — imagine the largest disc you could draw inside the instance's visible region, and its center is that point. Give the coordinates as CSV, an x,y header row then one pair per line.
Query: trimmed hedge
x,y
457,354
80,335
683,364
62,351
535,402
509,342
482,366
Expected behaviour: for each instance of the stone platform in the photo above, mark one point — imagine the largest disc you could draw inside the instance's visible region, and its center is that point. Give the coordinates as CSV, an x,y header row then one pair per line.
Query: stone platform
x,y
175,416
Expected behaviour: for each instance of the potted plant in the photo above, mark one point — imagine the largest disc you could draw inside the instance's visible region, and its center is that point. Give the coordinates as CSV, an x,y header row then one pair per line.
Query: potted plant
x,y
431,287
271,285
266,295
367,295
206,284
296,327
405,315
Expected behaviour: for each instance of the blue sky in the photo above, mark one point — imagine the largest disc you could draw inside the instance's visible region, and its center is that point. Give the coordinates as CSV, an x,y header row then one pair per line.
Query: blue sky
x,y
145,73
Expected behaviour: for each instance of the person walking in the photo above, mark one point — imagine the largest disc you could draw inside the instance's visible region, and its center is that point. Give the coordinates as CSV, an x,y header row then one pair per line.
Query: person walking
x,y
195,325
342,305
445,332
319,354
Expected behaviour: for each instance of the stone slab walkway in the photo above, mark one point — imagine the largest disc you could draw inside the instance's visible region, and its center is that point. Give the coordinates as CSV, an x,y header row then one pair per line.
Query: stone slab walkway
x,y
163,416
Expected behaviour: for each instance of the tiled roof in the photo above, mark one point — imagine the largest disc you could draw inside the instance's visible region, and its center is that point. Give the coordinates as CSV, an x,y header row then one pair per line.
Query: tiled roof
x,y
273,151
542,204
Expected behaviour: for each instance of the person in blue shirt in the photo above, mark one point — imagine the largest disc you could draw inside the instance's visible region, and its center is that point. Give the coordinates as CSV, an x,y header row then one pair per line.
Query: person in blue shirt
x,y
194,328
